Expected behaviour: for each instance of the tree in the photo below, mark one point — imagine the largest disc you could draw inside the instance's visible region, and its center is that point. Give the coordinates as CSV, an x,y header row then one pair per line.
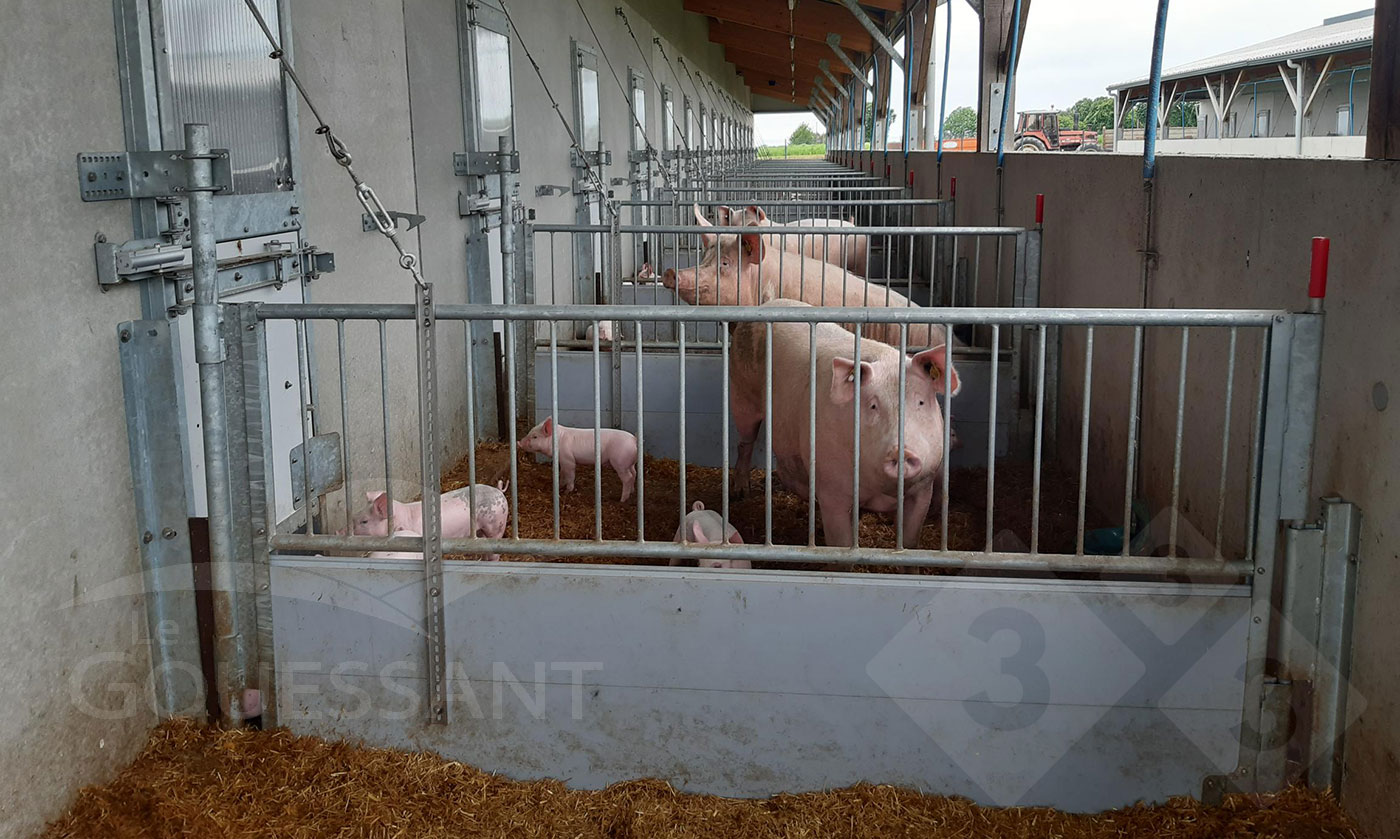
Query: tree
x,y
1095,114
804,135
870,121
962,122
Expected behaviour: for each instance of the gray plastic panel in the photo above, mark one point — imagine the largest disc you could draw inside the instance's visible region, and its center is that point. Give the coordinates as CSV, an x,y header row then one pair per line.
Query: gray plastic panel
x,y
748,683
220,74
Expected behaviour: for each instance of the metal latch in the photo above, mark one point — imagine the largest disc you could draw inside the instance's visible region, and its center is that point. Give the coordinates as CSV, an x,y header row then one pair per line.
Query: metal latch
x,y
367,221
484,162
545,190
110,176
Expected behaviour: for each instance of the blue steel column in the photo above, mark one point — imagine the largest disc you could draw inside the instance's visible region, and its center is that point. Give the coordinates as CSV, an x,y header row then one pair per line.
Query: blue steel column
x,y
231,648
1154,93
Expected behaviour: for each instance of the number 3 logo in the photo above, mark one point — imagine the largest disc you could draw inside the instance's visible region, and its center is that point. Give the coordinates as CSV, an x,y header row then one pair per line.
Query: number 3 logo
x,y
1022,665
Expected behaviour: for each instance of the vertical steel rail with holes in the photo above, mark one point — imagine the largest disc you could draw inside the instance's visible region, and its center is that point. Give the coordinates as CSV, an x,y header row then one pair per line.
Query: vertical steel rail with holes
x,y
232,648
434,617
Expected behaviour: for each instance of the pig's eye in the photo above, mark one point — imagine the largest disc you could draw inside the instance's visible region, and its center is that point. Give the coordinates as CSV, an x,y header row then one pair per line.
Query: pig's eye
x,y
480,533
874,406
921,403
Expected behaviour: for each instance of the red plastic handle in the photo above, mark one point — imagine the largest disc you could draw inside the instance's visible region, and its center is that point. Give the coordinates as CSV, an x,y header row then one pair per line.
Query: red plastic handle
x,y
1317,283
1040,208
953,187
911,178
887,171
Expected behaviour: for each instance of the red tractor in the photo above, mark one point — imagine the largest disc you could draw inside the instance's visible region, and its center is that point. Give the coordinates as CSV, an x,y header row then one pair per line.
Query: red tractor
x,y
1040,131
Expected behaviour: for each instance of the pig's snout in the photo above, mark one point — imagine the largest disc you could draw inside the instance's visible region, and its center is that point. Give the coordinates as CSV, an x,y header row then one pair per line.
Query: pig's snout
x,y
913,464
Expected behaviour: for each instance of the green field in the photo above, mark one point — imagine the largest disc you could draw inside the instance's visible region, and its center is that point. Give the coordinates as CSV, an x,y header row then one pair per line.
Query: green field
x,y
809,150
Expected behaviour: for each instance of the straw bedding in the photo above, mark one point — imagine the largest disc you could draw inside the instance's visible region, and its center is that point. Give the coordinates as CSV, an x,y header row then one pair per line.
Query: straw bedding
x,y
197,781
967,506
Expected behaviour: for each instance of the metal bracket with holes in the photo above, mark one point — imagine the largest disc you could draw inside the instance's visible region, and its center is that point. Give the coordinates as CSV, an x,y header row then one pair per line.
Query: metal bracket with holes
x,y
323,468
413,219
484,162
547,190
111,176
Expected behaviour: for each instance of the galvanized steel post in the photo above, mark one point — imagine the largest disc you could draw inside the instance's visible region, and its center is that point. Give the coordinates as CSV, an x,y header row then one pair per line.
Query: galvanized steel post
x,y
231,649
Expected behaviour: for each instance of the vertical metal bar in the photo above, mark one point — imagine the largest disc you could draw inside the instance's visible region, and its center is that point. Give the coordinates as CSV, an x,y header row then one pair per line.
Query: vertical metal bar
x,y
232,652
812,434
681,356
554,415
1225,446
1039,440
991,438
641,444
768,434
303,374
434,623
899,457
1135,397
724,421
512,416
1084,438
1176,449
471,430
855,441
1255,465
384,397
948,433
597,438
345,425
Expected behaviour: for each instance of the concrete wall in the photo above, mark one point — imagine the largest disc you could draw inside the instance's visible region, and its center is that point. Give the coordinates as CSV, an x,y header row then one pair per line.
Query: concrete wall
x,y
403,135
1354,147
1234,233
66,501
387,76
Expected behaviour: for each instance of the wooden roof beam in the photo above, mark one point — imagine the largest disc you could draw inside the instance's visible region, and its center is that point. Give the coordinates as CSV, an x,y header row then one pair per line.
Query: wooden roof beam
x,y
812,21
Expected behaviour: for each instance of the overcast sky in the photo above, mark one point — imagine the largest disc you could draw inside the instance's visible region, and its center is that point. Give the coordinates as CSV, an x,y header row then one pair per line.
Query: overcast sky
x,y
1076,48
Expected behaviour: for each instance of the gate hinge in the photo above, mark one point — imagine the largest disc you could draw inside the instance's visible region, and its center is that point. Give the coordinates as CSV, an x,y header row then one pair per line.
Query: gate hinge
x,y
316,262
640,156
109,176
484,162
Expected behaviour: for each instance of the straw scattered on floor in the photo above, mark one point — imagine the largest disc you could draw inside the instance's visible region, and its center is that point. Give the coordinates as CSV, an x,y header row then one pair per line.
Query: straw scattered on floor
x,y
198,781
967,506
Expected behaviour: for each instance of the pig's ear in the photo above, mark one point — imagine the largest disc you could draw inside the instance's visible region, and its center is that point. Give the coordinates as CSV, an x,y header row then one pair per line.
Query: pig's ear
x,y
548,426
706,239
757,212
934,363
698,506
379,505
724,215
370,496
735,538
699,533
843,380
752,246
